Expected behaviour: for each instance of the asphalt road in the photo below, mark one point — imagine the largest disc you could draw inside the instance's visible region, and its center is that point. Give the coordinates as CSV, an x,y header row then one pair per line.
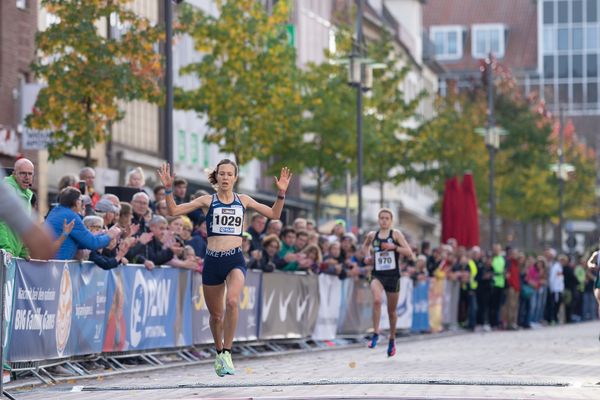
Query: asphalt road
x,y
560,362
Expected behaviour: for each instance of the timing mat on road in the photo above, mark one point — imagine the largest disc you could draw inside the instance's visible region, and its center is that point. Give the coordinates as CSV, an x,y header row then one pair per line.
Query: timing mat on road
x,y
325,382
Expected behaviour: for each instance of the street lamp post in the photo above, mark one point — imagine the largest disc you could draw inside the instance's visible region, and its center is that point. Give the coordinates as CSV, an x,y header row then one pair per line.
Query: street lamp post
x,y
168,117
562,171
360,76
356,68
492,135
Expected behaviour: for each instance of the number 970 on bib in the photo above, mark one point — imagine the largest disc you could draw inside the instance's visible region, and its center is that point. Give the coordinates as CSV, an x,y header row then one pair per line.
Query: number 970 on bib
x,y
384,261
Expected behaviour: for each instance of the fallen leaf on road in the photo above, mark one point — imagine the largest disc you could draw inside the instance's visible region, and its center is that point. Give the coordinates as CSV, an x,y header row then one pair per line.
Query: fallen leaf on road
x,y
352,364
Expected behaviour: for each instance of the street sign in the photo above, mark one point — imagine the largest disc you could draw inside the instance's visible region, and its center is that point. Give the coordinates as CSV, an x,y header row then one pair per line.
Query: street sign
x,y
34,139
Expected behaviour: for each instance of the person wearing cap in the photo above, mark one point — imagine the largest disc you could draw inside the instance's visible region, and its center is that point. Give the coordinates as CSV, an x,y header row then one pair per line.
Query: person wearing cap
x,y
105,209
338,230
385,245
223,275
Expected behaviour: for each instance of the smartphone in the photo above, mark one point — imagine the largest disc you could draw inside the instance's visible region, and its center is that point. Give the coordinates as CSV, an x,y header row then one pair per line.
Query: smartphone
x,y
82,187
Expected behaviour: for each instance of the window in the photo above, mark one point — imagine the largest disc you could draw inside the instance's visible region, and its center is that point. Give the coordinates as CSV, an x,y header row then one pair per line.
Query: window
x,y
592,38
592,92
563,93
577,38
548,67
22,4
577,11
563,66
549,94
563,39
563,12
548,12
577,66
577,93
486,39
592,65
549,40
592,11
448,42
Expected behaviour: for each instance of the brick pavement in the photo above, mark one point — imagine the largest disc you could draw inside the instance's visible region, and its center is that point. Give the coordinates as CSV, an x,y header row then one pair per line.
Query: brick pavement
x,y
487,365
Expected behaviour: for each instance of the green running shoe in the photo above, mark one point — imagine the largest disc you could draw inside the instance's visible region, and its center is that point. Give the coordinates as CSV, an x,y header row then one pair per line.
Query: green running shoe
x,y
227,363
219,369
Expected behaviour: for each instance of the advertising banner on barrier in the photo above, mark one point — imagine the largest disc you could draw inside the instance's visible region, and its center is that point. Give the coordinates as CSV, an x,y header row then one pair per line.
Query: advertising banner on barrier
x,y
450,307
200,319
9,265
290,305
436,296
356,308
89,308
43,308
248,313
330,297
404,309
420,319
147,309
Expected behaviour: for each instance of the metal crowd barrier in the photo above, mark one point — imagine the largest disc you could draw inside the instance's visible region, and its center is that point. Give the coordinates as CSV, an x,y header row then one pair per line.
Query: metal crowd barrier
x,y
71,313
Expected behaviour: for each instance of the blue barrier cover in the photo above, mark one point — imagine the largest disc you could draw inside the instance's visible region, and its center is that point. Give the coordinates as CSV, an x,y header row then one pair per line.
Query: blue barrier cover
x,y
42,310
420,318
89,308
9,288
147,309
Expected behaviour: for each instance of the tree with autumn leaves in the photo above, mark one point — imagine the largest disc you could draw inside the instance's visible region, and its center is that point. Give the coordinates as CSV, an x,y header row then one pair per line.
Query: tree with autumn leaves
x,y
249,89
87,74
526,188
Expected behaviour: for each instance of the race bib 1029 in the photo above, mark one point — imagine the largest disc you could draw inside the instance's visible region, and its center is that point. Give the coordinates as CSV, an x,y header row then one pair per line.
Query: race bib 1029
x,y
228,221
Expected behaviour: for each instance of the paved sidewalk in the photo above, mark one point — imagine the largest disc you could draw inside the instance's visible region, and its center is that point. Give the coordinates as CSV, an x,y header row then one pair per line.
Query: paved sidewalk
x,y
550,363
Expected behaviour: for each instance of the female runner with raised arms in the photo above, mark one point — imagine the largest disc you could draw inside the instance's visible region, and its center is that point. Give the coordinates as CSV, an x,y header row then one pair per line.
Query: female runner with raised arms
x,y
224,265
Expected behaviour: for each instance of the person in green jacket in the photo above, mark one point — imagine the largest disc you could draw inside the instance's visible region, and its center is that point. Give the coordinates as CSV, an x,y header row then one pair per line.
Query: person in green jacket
x,y
498,283
19,181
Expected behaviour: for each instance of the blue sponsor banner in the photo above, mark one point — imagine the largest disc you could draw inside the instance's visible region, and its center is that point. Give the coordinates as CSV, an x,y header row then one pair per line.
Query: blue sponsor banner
x,y
43,308
89,308
147,309
420,317
9,265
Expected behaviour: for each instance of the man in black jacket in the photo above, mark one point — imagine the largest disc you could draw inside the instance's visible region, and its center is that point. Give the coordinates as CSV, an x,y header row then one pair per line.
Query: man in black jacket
x,y
151,249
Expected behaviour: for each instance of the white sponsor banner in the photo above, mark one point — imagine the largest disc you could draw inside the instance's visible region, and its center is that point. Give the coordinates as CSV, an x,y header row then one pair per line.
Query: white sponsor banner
x,y
330,296
404,309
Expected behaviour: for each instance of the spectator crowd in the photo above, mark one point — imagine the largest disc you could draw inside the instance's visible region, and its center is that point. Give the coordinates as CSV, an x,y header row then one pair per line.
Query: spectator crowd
x,y
501,289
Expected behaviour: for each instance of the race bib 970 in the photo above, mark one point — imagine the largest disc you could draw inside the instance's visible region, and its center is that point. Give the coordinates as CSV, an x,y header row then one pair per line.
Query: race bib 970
x,y
228,221
384,261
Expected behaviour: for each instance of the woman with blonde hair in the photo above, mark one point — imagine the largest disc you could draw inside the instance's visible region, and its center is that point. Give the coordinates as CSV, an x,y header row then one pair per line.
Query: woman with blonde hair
x,y
135,178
